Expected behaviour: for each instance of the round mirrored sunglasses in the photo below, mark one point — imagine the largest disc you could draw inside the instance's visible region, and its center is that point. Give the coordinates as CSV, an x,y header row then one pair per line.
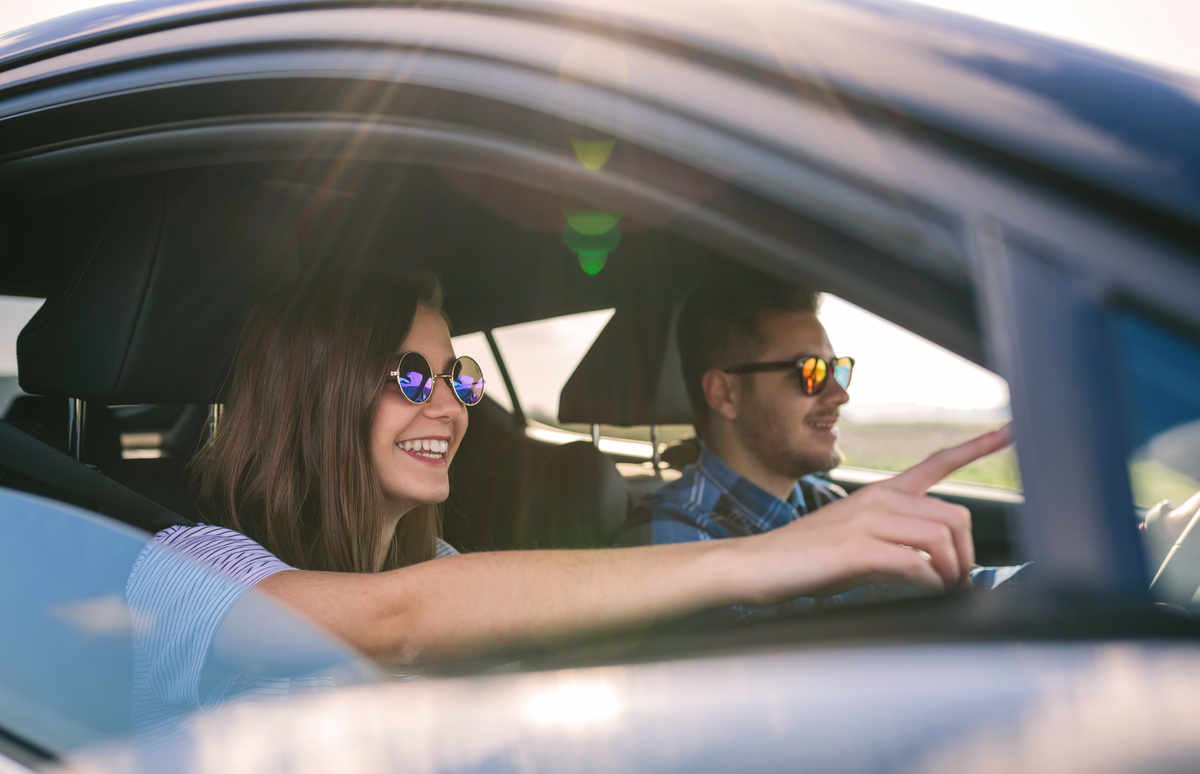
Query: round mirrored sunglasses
x,y
416,379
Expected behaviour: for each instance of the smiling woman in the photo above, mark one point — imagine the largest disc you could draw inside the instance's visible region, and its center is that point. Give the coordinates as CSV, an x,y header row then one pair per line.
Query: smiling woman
x,y
285,471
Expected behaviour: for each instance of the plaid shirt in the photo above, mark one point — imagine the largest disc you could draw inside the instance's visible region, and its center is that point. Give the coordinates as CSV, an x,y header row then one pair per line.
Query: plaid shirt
x,y
711,501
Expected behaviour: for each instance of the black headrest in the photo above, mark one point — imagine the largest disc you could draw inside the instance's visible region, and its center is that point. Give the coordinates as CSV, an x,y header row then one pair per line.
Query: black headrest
x,y
631,374
168,269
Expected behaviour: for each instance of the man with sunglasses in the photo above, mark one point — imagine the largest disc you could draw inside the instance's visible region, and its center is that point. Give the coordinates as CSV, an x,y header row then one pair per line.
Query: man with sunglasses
x,y
766,388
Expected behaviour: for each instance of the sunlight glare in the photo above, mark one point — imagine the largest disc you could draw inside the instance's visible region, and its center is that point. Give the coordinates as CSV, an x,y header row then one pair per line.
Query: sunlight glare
x,y
574,703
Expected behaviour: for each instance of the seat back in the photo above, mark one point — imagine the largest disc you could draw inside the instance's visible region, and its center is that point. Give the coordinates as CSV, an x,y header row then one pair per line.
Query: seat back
x,y
581,501
31,465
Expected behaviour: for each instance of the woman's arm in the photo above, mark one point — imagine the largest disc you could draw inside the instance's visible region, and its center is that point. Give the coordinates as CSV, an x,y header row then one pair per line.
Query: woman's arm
x,y
477,601
460,604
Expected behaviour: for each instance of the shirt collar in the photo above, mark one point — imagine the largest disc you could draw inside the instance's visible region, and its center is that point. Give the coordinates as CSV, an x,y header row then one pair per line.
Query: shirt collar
x,y
758,506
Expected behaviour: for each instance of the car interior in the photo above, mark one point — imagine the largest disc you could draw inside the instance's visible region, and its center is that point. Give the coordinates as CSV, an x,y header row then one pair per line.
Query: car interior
x,y
147,288
152,232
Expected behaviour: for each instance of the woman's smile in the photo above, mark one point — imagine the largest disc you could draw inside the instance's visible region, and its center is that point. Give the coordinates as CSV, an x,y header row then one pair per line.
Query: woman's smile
x,y
433,450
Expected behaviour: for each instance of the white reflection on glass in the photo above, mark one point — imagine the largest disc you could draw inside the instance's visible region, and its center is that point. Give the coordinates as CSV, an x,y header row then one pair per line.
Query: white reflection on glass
x,y
574,702
107,615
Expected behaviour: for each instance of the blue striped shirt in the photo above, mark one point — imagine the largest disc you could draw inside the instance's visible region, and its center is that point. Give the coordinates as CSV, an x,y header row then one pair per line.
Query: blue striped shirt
x,y
183,585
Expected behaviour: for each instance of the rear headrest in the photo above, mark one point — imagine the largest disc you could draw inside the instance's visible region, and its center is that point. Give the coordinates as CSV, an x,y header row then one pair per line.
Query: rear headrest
x,y
169,268
631,374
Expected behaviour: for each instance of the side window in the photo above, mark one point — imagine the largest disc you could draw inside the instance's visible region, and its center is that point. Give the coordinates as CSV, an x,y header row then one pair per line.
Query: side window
x,y
1160,374
1162,403
541,356
14,313
909,397
475,345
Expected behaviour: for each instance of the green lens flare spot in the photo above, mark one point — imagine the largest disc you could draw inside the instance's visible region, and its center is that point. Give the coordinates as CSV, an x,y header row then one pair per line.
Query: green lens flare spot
x,y
592,261
592,249
592,223
593,154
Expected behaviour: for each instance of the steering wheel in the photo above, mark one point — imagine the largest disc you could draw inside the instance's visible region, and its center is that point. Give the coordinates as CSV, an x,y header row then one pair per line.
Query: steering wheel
x,y
1173,541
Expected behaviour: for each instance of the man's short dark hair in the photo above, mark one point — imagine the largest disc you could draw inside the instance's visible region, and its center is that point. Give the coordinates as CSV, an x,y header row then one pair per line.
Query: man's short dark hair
x,y
718,325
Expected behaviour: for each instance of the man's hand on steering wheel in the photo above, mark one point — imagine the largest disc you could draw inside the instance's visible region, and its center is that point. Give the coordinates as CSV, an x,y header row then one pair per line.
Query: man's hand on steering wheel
x,y
1173,545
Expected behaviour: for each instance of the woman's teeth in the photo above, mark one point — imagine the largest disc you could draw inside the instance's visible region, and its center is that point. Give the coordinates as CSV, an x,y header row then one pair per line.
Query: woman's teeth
x,y
426,447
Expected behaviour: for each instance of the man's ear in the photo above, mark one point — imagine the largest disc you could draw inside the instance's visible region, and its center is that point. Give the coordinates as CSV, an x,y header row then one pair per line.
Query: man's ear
x,y
720,392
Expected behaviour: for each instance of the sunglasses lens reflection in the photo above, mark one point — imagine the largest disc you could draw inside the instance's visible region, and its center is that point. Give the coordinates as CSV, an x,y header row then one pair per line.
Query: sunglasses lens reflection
x,y
812,375
468,380
415,378
843,369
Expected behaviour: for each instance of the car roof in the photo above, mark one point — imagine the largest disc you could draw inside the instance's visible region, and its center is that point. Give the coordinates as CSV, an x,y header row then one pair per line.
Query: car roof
x,y
1028,99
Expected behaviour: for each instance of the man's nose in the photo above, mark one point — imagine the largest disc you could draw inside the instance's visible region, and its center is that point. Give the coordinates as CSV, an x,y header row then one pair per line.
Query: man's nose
x,y
835,394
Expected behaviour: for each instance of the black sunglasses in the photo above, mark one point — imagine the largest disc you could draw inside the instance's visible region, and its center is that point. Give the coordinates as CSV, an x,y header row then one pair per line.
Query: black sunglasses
x,y
814,371
417,379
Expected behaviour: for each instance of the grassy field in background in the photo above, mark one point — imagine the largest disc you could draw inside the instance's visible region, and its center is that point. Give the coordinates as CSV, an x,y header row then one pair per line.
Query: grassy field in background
x,y
895,446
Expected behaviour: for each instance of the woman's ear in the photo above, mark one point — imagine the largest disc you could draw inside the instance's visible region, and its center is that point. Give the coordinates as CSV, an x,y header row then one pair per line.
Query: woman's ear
x,y
720,392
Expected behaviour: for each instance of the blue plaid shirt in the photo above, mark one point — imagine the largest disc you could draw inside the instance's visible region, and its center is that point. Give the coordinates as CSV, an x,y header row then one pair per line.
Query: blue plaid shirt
x,y
711,501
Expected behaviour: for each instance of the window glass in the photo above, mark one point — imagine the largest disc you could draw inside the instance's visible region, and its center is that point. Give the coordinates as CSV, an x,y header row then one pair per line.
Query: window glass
x,y
542,355
1162,390
14,313
910,397
1161,381
103,651
475,345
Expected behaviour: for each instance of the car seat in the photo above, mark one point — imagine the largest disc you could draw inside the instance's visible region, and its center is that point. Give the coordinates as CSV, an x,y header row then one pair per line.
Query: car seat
x,y
151,316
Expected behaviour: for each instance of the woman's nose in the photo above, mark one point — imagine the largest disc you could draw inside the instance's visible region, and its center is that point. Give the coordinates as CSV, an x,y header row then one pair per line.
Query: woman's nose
x,y
443,401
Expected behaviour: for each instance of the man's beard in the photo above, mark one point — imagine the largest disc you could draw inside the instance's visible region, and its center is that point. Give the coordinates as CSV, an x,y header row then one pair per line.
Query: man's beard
x,y
776,454
805,461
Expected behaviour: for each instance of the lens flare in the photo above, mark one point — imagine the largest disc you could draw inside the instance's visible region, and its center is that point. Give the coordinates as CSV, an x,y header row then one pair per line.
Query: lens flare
x,y
592,235
592,223
593,154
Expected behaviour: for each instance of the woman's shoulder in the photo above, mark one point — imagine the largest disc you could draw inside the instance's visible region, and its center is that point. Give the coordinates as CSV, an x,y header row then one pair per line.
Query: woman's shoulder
x,y
223,549
185,532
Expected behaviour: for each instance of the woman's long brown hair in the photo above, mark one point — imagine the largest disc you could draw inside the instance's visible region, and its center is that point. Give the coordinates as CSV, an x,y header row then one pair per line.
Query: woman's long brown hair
x,y
289,465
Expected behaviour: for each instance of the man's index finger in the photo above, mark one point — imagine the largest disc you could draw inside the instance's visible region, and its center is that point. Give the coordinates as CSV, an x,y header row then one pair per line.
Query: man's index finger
x,y
935,467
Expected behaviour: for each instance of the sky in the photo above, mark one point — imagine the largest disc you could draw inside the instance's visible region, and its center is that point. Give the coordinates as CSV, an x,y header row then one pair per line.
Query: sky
x,y
1160,32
